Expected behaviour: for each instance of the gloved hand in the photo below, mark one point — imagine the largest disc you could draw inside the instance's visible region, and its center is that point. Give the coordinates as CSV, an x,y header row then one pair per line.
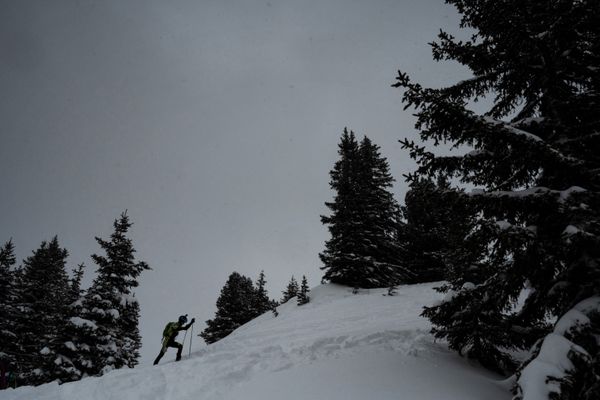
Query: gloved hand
x,y
193,320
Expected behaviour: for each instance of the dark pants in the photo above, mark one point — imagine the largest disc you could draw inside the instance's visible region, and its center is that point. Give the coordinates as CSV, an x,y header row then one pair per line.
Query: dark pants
x,y
167,344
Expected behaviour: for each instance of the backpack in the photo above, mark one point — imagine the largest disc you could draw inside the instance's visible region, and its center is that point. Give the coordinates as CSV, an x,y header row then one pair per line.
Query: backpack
x,y
170,328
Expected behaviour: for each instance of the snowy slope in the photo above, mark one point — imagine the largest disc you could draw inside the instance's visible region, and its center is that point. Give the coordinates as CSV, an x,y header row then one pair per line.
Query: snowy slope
x,y
339,346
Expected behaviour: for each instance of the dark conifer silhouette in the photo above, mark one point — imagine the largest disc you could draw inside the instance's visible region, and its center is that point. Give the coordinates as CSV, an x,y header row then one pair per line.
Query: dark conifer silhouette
x,y
235,307
8,298
110,310
535,163
262,301
291,290
43,299
303,297
71,337
434,228
363,250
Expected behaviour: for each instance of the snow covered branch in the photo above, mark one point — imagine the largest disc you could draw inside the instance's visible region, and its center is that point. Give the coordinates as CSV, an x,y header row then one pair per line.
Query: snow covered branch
x,y
559,361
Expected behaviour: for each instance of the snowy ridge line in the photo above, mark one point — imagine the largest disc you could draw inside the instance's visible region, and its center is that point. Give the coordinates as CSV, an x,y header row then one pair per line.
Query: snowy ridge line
x,y
339,346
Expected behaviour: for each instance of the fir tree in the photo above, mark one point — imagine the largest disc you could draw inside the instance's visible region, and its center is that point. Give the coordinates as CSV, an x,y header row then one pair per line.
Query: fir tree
x,y
43,304
290,291
132,342
363,250
435,224
69,366
535,165
262,301
378,220
75,290
303,297
8,335
337,258
235,307
110,309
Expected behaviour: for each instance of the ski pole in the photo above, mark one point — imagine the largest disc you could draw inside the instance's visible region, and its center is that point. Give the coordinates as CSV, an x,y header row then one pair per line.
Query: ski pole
x,y
184,336
191,337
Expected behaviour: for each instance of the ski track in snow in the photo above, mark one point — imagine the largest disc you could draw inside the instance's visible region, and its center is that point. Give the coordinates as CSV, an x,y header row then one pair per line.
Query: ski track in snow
x,y
335,327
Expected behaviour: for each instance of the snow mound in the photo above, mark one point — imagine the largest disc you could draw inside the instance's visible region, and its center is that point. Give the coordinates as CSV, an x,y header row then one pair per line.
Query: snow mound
x,y
339,346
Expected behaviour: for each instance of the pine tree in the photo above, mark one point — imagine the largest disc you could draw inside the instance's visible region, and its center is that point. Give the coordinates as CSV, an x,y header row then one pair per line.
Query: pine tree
x,y
43,299
435,224
379,220
8,335
235,307
75,290
362,251
262,301
290,291
69,367
132,342
303,297
110,309
338,257
535,165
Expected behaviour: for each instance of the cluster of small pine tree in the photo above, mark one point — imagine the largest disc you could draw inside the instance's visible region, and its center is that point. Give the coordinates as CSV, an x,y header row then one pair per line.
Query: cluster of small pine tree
x,y
52,330
241,301
293,290
290,291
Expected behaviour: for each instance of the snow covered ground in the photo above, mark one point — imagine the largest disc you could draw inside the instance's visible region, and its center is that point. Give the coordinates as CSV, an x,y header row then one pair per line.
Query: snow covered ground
x,y
338,346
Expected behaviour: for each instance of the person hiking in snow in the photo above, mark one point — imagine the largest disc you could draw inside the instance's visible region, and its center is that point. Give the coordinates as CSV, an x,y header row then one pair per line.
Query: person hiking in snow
x,y
170,333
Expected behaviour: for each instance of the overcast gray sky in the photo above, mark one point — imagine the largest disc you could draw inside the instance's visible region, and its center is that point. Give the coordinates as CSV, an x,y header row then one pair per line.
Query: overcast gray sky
x,y
214,123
